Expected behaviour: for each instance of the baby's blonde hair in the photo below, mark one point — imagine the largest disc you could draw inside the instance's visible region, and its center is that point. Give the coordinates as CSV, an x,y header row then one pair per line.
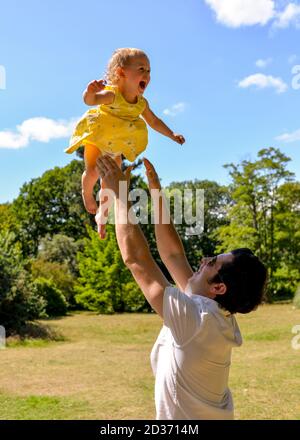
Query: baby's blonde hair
x,y
121,58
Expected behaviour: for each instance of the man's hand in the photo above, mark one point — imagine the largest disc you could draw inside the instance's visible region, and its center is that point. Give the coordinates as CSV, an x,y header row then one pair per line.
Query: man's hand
x,y
178,138
153,179
111,173
168,241
131,240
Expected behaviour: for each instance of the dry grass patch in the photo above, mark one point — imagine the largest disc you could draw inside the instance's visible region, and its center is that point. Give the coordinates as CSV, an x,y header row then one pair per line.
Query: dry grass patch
x,y
100,369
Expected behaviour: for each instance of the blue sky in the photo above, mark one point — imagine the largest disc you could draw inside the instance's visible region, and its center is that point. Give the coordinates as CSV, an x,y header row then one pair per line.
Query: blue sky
x,y
221,76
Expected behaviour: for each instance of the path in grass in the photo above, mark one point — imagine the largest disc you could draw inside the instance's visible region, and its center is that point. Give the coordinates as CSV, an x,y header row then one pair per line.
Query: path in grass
x,y
102,369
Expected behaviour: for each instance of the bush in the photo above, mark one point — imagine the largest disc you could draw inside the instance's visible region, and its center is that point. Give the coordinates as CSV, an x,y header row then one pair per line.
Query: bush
x,y
284,283
51,204
105,284
100,302
61,249
134,298
20,304
56,304
19,301
59,274
296,300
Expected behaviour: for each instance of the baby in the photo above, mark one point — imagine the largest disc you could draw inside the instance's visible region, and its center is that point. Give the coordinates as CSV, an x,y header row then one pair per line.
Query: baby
x,y
115,127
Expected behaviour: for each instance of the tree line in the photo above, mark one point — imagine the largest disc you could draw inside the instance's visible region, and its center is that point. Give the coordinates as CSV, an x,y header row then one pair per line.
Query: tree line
x,y
52,261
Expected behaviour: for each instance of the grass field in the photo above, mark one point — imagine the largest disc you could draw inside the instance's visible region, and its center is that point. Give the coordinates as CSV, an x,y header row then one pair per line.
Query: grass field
x,y
99,368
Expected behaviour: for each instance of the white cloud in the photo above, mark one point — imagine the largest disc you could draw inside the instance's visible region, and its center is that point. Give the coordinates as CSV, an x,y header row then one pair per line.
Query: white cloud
x,y
289,137
290,15
175,109
263,63
292,59
36,129
264,81
236,13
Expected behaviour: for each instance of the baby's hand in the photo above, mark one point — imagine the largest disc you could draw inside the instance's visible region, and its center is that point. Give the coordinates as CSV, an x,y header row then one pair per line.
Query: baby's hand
x,y
95,86
178,138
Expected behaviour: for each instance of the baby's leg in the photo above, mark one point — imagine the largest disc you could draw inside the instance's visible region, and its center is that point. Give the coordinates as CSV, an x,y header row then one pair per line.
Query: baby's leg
x,y
102,214
90,177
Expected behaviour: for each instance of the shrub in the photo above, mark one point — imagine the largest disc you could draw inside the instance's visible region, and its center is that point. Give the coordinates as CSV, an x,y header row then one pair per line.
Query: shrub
x,y
284,283
134,299
100,302
20,304
105,284
19,301
59,274
56,304
61,249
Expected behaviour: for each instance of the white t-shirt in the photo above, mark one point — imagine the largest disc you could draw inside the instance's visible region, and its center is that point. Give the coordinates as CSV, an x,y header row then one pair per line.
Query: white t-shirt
x,y
191,358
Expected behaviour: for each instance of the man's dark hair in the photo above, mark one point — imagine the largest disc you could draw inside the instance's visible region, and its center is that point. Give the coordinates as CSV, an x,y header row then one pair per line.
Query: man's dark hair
x,y
245,278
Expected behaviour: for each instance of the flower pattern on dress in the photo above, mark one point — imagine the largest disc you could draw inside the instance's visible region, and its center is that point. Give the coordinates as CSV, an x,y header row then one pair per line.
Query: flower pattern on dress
x,y
115,129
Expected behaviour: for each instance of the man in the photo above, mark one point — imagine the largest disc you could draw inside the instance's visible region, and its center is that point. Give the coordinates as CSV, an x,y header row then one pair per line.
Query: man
x,y
191,357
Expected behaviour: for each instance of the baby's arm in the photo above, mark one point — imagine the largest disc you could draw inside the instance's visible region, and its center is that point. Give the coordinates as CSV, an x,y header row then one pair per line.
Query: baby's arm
x,y
95,94
157,124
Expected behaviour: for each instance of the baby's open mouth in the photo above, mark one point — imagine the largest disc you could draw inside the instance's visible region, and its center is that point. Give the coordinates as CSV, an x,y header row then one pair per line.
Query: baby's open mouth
x,y
143,85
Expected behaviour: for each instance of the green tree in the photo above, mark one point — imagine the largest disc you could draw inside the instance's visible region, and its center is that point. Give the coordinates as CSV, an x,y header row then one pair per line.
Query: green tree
x,y
56,261
7,217
103,281
287,239
259,204
61,249
51,204
216,200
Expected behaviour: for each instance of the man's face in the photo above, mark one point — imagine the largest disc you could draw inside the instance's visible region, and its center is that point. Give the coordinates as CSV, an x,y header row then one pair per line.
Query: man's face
x,y
199,284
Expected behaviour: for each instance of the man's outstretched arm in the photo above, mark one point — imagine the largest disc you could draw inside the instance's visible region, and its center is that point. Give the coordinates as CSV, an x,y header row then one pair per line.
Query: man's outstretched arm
x,y
168,242
131,240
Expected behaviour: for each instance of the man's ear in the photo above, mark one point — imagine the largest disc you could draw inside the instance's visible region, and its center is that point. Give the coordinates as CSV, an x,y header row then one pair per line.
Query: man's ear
x,y
219,288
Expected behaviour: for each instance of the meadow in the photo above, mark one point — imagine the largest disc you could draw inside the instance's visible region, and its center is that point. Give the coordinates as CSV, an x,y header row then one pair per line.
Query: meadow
x,y
98,367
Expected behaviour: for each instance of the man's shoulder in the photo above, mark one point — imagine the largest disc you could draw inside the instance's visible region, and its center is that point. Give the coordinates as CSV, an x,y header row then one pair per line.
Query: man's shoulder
x,y
199,301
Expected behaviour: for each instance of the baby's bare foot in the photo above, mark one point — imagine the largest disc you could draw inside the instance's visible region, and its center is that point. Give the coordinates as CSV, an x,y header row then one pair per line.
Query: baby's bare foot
x,y
101,226
89,203
102,231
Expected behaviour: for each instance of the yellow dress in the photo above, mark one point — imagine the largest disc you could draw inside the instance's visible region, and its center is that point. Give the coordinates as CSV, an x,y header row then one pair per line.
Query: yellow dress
x,y
115,129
